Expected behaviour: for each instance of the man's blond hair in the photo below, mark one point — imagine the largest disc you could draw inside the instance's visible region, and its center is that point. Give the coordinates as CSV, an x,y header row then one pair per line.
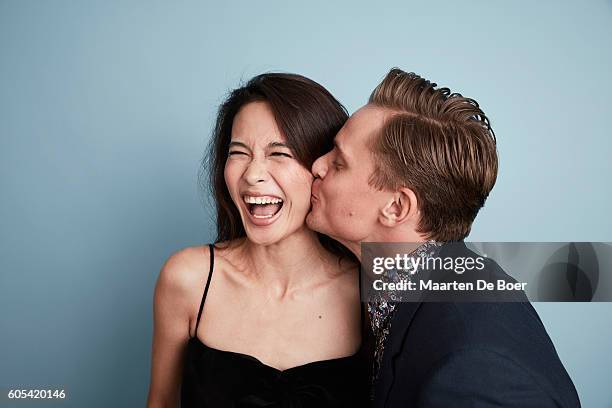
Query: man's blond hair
x,y
440,145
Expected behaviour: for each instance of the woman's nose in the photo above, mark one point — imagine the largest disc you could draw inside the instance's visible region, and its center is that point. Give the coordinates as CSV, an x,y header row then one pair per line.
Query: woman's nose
x,y
256,172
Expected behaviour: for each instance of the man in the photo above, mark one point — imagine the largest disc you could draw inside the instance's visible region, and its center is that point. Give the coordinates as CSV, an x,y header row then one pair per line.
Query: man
x,y
415,165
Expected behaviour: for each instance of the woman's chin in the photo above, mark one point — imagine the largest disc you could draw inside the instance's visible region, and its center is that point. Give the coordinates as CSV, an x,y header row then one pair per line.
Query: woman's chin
x,y
273,233
269,236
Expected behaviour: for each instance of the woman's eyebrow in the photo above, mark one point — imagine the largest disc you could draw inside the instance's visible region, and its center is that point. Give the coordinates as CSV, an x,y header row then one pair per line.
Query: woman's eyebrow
x,y
278,144
271,144
236,143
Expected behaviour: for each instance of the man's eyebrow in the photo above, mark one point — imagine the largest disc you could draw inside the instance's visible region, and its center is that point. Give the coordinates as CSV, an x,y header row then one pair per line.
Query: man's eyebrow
x,y
340,151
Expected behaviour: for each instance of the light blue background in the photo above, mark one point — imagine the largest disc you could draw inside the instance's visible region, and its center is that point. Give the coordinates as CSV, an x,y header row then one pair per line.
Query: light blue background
x,y
105,108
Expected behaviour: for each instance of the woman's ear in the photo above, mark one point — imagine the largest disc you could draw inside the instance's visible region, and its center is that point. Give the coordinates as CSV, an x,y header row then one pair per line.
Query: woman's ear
x,y
401,207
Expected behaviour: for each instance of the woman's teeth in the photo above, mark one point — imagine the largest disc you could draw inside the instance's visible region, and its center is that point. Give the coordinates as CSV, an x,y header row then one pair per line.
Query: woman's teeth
x,y
262,200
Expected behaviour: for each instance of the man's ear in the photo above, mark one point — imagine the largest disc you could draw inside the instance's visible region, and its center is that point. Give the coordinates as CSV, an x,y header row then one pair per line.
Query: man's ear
x,y
401,207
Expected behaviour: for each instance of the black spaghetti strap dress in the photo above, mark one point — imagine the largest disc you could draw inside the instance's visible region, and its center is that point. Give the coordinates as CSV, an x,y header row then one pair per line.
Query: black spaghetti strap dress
x,y
215,378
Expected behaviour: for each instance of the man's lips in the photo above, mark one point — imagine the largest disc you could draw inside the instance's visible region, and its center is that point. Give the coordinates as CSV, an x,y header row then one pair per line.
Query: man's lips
x,y
314,188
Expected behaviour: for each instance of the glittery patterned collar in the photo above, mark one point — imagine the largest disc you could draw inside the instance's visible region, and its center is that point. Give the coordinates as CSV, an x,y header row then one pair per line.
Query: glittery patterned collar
x,y
381,311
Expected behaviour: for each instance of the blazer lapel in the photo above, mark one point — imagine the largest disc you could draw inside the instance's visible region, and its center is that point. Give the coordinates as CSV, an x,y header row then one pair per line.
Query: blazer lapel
x,y
400,323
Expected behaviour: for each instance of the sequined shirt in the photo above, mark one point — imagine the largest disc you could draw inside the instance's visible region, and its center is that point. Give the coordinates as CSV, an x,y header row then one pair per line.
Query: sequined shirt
x,y
381,310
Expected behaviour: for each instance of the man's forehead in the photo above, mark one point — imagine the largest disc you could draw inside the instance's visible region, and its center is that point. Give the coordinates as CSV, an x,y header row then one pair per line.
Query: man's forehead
x,y
362,124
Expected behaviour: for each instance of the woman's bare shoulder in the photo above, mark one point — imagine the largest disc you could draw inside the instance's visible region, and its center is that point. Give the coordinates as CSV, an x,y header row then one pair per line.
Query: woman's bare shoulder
x,y
184,271
188,268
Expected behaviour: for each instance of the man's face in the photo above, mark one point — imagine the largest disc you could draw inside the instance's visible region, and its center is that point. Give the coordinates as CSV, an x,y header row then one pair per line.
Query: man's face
x,y
344,205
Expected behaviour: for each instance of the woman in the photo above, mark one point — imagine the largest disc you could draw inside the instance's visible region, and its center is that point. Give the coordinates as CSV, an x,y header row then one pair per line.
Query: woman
x,y
282,317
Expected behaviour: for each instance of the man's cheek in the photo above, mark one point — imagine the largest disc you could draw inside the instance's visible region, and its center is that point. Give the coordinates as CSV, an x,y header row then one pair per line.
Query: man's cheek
x,y
348,211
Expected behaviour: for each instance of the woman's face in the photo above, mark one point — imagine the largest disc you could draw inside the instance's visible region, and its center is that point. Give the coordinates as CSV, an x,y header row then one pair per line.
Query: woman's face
x,y
270,188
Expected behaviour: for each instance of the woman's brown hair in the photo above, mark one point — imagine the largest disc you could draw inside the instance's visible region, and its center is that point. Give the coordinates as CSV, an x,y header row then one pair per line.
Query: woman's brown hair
x,y
307,115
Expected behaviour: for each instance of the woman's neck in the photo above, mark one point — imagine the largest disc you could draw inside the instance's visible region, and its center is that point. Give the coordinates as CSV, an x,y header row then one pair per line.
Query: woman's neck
x,y
291,263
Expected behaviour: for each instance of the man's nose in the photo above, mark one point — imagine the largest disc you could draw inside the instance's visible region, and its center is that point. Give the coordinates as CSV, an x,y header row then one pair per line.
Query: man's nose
x,y
319,167
256,172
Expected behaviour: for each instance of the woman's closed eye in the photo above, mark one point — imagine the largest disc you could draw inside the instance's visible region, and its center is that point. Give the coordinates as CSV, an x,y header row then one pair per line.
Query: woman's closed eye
x,y
281,154
233,152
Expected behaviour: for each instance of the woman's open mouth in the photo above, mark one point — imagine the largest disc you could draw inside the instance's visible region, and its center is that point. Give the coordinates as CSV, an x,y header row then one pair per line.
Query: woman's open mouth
x,y
263,209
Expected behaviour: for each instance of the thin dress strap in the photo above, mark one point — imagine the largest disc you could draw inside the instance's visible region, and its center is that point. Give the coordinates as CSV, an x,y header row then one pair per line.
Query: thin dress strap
x,y
210,272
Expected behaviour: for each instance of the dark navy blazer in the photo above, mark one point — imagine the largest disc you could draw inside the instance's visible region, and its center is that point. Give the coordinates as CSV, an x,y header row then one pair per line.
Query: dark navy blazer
x,y
495,354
